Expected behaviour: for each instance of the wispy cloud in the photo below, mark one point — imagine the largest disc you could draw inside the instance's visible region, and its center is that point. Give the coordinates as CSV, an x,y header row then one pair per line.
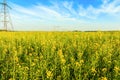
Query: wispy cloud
x,y
111,7
107,7
65,10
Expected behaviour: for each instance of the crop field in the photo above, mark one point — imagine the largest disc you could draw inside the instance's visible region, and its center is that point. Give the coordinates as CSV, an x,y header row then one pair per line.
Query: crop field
x,y
60,55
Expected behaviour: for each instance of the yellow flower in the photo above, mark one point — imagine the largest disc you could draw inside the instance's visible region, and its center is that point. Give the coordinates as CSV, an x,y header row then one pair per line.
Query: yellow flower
x,y
15,52
77,64
72,59
11,79
16,59
81,61
63,61
19,66
49,74
104,69
103,78
116,69
5,50
33,64
26,68
30,54
60,53
31,49
93,70
41,57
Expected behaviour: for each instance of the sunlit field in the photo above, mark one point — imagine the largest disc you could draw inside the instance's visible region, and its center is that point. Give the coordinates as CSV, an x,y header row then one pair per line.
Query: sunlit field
x,y
60,55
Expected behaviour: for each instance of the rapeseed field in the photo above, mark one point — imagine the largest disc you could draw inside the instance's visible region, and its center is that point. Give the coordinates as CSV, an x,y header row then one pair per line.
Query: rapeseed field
x,y
59,55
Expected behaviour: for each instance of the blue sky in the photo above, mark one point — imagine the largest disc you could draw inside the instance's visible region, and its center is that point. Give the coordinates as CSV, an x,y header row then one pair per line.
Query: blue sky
x,y
65,14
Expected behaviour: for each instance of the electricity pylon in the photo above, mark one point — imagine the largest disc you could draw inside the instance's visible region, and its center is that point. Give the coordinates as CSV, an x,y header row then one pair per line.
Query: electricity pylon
x,y
5,16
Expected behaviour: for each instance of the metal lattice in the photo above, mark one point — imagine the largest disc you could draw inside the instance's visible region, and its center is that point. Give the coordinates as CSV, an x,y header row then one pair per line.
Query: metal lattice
x,y
5,17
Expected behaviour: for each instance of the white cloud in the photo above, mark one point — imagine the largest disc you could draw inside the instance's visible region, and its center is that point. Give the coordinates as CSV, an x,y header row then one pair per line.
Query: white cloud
x,y
46,12
22,10
42,11
111,8
90,12
41,15
105,1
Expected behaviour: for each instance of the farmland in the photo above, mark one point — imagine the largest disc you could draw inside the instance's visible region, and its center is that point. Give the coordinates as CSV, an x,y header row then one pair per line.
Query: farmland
x,y
60,55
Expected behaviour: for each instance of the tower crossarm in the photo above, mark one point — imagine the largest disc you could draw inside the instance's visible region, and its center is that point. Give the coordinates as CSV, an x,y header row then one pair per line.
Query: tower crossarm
x,y
6,5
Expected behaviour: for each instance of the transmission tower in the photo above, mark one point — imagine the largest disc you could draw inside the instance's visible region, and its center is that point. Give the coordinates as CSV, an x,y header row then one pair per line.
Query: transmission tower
x,y
5,16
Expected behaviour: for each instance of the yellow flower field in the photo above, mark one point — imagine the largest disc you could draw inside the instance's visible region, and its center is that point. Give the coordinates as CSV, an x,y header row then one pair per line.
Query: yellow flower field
x,y
59,55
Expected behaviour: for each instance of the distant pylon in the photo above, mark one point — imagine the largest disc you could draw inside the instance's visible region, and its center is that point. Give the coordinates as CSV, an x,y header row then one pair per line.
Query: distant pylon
x,y
5,16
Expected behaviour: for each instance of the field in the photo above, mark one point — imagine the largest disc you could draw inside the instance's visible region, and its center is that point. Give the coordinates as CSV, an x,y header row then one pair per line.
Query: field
x,y
60,55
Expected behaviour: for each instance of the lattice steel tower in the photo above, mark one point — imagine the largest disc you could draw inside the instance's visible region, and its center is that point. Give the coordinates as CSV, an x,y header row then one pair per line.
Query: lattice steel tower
x,y
5,16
